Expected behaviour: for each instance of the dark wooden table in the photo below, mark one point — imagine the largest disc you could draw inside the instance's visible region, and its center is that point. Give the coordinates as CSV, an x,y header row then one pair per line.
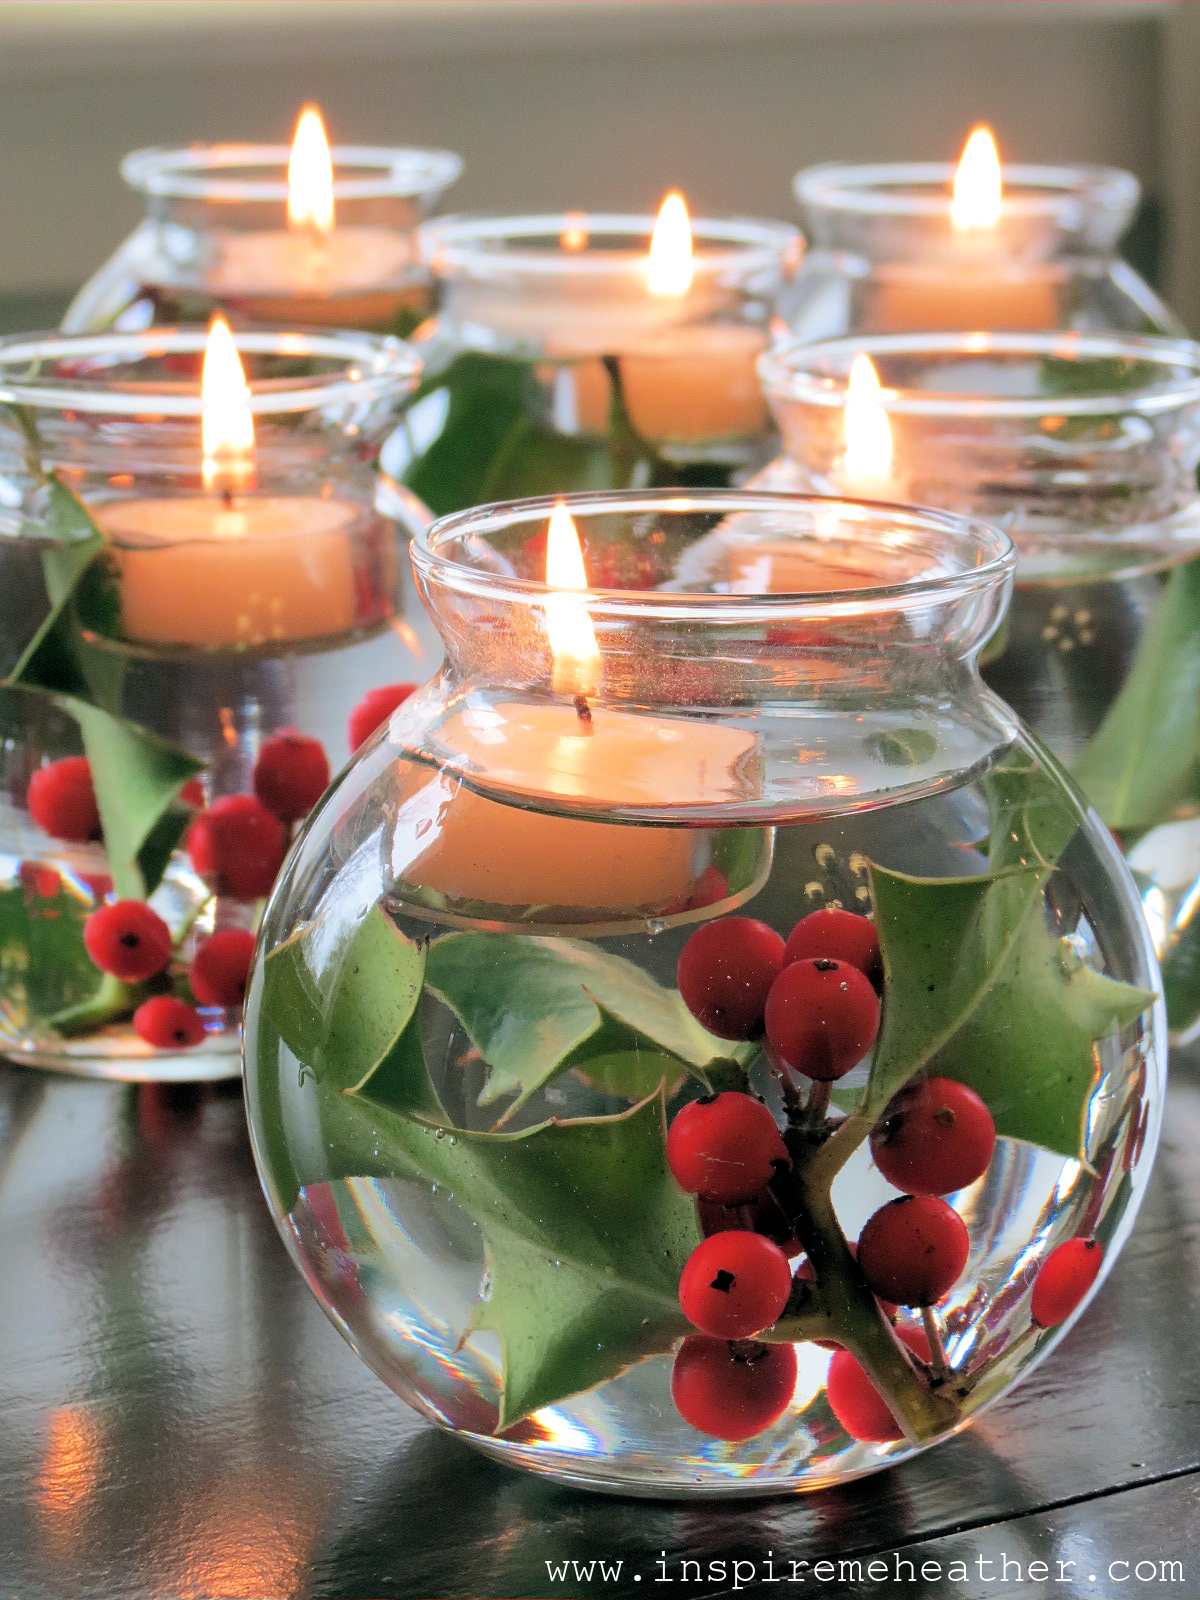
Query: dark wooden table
x,y
178,1418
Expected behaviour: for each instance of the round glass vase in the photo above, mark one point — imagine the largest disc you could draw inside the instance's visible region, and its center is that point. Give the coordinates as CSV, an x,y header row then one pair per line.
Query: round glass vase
x,y
216,237
552,366
1085,450
540,922
164,617
884,256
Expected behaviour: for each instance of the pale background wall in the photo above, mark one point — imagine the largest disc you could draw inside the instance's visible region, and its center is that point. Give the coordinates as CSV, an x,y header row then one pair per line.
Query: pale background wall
x,y
587,102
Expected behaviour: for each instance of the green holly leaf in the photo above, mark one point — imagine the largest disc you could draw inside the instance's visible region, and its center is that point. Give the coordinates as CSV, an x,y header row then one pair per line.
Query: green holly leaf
x,y
1033,817
1141,761
585,1234
978,989
1181,977
535,1006
475,433
344,1000
137,775
137,778
44,967
73,541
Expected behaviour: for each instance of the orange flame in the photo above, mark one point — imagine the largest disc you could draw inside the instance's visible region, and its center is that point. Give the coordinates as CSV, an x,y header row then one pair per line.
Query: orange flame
x,y
568,624
977,185
669,266
868,458
226,423
310,175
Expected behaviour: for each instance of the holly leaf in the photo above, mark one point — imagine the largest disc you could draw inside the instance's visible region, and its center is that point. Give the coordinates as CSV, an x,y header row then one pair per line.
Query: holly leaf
x,y
344,1001
1032,816
44,967
137,776
535,1006
1181,976
585,1234
73,541
1140,762
979,990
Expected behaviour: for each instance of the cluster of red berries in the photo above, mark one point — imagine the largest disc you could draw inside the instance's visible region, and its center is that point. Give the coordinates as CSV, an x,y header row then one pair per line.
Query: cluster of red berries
x,y
238,844
815,994
816,998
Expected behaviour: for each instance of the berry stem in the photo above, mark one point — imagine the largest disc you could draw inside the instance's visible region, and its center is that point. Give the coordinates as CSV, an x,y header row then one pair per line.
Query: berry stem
x,y
111,1000
818,1102
828,1161
849,1311
941,1368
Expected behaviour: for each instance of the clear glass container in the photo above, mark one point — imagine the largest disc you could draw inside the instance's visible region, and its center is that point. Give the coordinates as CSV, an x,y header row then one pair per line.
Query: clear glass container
x,y
1085,450
165,623
552,366
884,256
216,237
541,920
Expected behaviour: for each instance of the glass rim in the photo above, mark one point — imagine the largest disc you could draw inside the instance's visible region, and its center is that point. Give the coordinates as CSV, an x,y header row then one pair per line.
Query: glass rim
x,y
360,172
477,243
925,189
360,365
789,371
996,555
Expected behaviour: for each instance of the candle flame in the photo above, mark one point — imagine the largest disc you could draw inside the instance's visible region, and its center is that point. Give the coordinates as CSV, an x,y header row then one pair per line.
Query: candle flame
x,y
977,185
574,235
310,175
669,266
568,625
868,458
226,423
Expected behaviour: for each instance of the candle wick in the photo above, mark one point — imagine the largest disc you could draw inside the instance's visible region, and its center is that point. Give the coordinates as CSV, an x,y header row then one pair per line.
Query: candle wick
x,y
584,712
227,498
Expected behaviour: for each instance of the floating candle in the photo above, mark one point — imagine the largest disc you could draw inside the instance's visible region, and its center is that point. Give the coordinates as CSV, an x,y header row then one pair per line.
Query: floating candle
x,y
454,838
230,569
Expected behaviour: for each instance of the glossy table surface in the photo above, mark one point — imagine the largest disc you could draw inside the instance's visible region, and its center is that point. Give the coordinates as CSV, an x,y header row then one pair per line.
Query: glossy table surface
x,y
178,1418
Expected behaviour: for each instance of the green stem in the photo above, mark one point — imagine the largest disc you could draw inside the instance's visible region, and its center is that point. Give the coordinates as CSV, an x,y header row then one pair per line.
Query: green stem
x,y
111,1000
828,1161
850,1312
723,1074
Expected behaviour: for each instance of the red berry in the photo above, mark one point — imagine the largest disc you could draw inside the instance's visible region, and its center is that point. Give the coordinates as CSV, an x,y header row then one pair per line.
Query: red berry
x,y
725,973
192,793
734,1285
374,708
935,1137
822,1017
291,774
1064,1279
839,936
168,1024
221,966
854,1399
762,1215
38,882
62,801
709,889
913,1249
128,939
732,1391
725,1147
240,844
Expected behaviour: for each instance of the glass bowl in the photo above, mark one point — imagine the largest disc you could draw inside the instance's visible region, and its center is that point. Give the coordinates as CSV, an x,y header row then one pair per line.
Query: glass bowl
x,y
884,256
174,625
565,1070
1085,449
